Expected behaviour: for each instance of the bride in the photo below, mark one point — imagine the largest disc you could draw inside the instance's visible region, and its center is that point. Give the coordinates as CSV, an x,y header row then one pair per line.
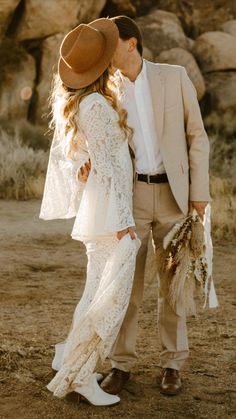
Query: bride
x,y
88,121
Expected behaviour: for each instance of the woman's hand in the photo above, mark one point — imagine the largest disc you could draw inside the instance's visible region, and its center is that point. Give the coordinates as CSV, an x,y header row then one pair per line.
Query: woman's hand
x,y
122,233
84,172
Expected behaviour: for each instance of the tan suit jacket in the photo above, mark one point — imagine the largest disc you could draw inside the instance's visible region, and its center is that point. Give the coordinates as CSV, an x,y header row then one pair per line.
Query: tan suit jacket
x,y
183,140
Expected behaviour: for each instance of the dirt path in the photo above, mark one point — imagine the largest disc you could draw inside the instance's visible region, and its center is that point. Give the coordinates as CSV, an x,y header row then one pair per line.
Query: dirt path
x,y
42,277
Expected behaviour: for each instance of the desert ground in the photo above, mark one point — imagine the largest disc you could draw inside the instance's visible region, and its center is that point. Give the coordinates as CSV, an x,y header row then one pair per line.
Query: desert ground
x,y
42,278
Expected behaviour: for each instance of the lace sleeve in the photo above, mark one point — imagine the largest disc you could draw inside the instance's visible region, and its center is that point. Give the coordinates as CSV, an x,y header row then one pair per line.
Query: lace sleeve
x,y
62,192
96,124
111,203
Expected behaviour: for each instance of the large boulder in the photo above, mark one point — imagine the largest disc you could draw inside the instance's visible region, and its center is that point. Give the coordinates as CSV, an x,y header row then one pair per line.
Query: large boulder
x,y
7,9
215,51
143,7
44,18
199,16
221,90
147,54
220,101
182,57
49,60
16,91
229,27
161,31
119,7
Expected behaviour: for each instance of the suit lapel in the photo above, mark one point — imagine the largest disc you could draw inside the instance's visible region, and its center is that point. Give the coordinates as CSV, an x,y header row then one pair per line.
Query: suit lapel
x,y
157,90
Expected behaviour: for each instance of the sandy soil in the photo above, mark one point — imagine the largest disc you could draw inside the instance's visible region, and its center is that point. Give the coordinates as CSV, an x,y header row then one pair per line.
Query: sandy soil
x,y
42,278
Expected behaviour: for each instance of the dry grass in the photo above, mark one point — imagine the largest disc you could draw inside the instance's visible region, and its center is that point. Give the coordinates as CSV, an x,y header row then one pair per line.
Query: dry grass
x,y
33,136
22,169
223,187
9,358
221,123
223,157
223,209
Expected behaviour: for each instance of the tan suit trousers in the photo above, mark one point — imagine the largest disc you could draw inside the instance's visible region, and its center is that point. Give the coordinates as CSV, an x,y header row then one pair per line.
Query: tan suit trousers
x,y
156,211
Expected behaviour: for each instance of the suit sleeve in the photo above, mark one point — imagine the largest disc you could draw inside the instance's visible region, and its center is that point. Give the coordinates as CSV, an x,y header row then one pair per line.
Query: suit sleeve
x,y
198,142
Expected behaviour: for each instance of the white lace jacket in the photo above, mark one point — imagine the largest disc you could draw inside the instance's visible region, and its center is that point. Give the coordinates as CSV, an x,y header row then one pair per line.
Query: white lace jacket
x,y
104,204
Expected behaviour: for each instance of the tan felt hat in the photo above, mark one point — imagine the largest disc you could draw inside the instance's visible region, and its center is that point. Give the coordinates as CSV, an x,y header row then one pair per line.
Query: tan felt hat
x,y
86,52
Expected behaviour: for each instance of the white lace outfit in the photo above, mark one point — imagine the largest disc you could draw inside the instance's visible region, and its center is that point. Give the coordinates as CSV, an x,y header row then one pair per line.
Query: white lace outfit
x,y
99,314
102,207
106,204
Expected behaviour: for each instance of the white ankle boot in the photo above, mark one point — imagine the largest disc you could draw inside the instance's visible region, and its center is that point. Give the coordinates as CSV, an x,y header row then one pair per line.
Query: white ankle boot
x,y
94,394
57,360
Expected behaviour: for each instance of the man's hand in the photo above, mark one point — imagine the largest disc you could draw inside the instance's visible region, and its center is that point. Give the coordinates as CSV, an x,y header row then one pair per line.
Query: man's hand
x,y
199,206
84,172
122,233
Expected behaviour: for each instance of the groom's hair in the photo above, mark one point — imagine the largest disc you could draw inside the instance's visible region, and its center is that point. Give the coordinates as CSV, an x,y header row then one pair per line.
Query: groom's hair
x,y
129,29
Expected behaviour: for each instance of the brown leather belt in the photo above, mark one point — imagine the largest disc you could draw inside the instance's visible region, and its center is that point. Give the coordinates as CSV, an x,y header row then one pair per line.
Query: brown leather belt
x,y
159,178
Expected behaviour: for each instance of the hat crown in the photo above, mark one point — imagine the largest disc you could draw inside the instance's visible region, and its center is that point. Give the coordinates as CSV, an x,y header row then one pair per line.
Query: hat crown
x,y
82,48
86,52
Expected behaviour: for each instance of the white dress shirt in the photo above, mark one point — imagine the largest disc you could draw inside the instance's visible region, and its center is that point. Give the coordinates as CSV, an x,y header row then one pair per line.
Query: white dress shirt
x,y
136,99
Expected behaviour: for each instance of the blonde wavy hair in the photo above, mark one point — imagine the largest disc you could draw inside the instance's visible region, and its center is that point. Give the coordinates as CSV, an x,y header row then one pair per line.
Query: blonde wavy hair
x,y
65,102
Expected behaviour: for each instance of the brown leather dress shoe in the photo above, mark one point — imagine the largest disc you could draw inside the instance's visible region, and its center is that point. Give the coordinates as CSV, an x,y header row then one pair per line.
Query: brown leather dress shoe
x,y
171,382
115,381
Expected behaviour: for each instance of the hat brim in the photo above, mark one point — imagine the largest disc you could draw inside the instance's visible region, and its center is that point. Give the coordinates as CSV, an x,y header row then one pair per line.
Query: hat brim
x,y
77,80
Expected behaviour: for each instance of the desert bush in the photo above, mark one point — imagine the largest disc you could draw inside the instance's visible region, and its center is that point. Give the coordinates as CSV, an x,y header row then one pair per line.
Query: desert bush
x,y
223,209
33,136
223,157
22,169
221,124
223,187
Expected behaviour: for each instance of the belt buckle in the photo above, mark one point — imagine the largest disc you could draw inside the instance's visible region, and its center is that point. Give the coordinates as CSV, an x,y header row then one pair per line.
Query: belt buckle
x,y
148,180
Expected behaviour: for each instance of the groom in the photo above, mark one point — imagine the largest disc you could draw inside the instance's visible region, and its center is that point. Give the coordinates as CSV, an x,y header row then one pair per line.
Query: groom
x,y
171,151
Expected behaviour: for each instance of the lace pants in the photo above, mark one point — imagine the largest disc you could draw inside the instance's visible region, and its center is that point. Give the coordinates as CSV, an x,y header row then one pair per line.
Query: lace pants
x,y
97,252
99,314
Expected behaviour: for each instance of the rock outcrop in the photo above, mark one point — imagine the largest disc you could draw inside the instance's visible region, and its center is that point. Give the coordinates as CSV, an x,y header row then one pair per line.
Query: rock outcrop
x,y
198,34
221,90
229,27
17,90
161,30
182,57
148,54
44,18
215,51
49,60
220,102
119,7
199,16
7,9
